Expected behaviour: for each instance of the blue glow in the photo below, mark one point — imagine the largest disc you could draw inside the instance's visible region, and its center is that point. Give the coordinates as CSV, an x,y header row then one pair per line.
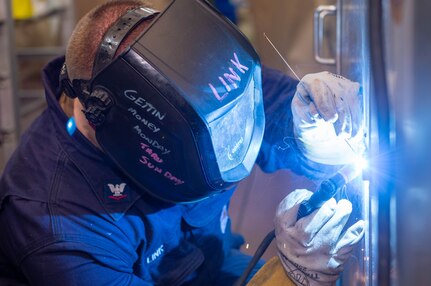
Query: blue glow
x,y
71,126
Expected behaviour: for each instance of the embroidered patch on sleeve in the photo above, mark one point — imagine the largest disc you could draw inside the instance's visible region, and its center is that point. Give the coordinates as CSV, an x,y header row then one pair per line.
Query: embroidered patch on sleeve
x,y
116,192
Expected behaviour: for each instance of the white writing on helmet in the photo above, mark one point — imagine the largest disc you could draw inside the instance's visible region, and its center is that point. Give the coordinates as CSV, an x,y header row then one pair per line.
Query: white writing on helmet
x,y
238,65
232,79
144,104
235,148
154,143
144,121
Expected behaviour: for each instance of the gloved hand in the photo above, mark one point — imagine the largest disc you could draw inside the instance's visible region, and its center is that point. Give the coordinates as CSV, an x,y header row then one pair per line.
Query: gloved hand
x,y
312,249
327,112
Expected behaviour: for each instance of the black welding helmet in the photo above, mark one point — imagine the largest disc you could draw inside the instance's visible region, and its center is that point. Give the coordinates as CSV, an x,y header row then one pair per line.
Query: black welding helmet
x,y
180,112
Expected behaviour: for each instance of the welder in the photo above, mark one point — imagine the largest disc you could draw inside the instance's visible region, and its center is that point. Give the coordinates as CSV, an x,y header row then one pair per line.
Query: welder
x,y
172,110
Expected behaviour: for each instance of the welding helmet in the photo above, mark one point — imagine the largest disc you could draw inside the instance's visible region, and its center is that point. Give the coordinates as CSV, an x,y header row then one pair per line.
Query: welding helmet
x,y
180,111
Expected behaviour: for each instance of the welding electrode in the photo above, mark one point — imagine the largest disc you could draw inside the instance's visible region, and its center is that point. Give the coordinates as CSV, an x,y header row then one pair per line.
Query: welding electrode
x,y
327,189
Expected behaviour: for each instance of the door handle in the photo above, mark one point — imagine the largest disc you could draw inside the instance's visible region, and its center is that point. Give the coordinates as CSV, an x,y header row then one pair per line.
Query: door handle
x,y
319,16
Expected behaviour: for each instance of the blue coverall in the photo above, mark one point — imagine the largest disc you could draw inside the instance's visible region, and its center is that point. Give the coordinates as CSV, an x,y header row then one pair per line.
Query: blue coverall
x,y
59,224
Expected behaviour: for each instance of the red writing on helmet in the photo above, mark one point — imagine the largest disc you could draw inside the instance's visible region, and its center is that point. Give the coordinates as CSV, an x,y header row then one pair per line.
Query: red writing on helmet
x,y
229,80
174,179
153,155
166,174
146,161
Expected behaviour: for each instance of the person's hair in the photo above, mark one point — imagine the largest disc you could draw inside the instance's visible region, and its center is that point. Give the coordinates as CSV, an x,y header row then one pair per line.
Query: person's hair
x,y
87,36
89,32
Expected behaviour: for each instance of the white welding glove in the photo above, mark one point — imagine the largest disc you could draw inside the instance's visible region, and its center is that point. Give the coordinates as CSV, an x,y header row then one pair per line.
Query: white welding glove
x,y
327,113
313,249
